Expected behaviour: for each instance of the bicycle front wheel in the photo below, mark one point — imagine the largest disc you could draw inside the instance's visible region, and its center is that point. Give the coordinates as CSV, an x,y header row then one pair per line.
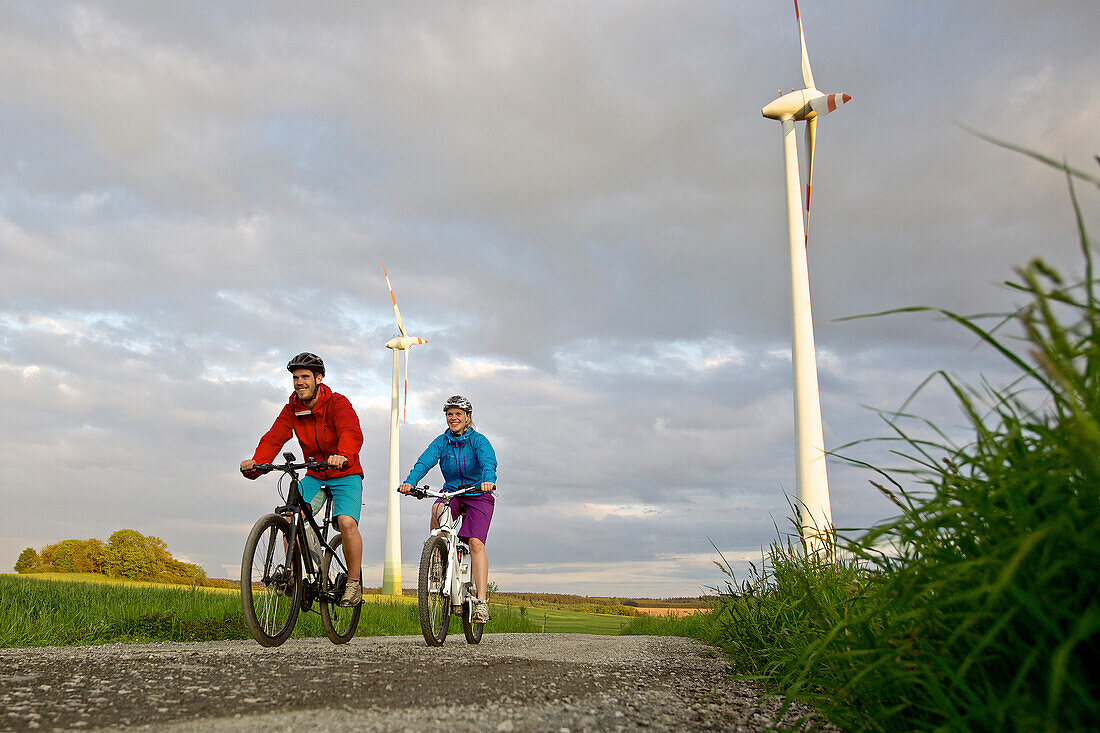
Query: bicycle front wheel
x,y
271,590
339,622
435,606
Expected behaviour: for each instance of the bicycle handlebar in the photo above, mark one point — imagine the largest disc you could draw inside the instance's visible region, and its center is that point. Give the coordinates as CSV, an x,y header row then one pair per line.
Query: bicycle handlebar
x,y
427,492
263,468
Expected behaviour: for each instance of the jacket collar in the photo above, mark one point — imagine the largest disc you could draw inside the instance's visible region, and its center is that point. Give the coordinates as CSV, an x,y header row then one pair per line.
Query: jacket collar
x,y
457,438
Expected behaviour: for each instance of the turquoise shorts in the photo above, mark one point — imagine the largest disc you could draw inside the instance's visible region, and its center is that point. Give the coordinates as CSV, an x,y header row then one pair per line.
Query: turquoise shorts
x,y
347,494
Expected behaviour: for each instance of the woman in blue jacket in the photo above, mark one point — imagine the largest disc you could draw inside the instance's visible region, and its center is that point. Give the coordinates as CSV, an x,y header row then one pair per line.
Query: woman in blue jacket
x,y
466,458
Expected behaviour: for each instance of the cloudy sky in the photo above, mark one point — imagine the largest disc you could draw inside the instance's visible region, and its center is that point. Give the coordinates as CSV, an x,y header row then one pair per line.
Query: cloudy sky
x,y
580,206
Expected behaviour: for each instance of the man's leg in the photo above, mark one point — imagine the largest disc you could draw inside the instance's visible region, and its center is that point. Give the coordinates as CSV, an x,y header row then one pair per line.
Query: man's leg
x,y
352,545
347,494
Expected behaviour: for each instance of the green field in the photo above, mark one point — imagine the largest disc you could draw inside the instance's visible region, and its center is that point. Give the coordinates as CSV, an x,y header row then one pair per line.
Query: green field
x,y
561,621
58,609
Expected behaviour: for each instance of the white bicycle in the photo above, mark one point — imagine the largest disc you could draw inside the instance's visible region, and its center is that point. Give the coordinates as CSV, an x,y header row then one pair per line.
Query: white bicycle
x,y
443,585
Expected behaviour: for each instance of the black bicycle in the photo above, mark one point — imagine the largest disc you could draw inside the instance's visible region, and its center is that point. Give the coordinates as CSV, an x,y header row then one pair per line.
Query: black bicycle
x,y
285,569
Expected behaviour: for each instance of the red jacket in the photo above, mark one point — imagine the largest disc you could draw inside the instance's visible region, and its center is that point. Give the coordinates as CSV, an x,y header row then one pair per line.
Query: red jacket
x,y
331,427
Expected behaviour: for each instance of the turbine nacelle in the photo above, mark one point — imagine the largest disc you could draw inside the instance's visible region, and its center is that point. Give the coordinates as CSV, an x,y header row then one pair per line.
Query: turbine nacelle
x,y
400,343
804,104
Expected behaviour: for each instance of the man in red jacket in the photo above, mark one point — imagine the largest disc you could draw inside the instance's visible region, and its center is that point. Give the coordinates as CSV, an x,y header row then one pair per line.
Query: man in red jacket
x,y
328,431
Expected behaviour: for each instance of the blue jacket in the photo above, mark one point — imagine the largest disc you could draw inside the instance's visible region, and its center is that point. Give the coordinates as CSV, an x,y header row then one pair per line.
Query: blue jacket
x,y
464,459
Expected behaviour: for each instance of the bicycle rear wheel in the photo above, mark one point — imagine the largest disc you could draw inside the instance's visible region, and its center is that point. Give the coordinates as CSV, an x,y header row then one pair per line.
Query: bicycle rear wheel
x,y
435,606
271,590
339,622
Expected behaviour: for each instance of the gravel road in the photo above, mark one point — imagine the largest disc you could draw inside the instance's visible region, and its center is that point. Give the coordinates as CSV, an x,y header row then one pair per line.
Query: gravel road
x,y
510,682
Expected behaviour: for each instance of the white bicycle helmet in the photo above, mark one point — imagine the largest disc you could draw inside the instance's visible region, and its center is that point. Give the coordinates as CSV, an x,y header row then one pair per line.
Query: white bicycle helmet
x,y
458,401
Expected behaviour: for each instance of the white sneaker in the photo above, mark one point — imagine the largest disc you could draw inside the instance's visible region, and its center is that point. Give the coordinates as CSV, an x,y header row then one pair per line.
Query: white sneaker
x,y
353,594
481,611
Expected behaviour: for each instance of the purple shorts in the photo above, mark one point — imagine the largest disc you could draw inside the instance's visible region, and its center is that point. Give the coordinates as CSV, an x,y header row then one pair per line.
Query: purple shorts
x,y
479,512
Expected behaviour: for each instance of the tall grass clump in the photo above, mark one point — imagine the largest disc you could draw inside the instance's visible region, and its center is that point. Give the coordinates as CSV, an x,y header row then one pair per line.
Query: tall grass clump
x,y
792,598
978,607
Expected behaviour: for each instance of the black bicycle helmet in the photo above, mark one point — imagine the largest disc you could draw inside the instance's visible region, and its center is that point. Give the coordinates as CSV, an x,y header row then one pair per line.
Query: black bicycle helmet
x,y
306,360
458,401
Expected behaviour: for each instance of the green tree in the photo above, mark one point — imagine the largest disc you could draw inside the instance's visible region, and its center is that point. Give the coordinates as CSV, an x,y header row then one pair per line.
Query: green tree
x,y
91,556
28,558
129,556
73,556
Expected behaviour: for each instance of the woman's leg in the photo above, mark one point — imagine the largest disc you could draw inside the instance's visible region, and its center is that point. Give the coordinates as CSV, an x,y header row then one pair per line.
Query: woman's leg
x,y
479,566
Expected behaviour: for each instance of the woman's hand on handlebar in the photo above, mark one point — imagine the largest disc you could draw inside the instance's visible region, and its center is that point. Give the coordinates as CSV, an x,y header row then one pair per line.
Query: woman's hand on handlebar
x,y
488,487
405,488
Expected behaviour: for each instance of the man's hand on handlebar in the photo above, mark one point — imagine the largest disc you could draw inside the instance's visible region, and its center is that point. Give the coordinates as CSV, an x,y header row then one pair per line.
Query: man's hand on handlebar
x,y
248,468
337,462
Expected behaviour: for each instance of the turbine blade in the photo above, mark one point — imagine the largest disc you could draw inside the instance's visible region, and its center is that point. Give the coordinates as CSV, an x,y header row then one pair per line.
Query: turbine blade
x,y
811,140
396,311
807,75
826,103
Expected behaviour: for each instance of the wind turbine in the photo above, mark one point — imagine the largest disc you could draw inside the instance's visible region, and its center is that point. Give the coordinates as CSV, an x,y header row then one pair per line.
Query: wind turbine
x,y
391,572
812,482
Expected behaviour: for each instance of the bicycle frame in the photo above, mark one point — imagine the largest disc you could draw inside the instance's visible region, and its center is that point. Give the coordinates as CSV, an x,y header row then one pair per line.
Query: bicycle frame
x,y
296,509
458,574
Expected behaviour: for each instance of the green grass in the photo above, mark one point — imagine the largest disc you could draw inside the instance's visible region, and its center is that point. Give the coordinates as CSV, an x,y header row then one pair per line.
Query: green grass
x,y
100,578
76,608
699,625
36,612
977,608
561,621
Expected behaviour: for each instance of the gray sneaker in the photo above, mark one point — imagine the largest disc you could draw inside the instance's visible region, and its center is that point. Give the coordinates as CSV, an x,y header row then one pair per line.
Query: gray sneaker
x,y
481,612
353,594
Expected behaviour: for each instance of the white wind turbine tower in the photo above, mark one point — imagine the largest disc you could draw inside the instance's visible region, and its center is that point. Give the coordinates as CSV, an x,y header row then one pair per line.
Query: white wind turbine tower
x,y
811,480
391,572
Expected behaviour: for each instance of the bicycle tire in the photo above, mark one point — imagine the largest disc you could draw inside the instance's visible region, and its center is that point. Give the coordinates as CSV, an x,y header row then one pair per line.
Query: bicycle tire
x,y
339,622
472,630
435,606
269,613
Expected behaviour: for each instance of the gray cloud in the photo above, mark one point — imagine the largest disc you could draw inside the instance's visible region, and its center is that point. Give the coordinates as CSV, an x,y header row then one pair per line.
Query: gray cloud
x,y
580,207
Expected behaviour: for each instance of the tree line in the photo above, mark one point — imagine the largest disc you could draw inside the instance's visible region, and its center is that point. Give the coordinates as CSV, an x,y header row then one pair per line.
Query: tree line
x,y
127,554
